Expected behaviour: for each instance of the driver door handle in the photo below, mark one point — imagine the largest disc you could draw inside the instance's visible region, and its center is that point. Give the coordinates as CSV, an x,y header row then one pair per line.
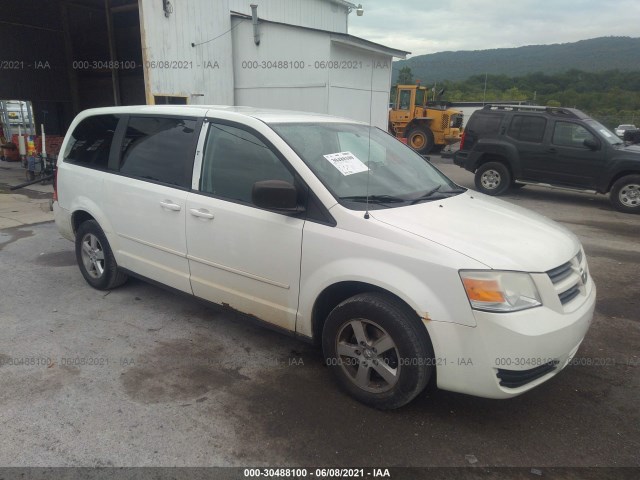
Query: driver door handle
x,y
552,150
169,205
201,213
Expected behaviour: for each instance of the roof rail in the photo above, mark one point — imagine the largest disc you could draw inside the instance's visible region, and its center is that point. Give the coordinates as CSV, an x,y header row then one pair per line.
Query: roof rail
x,y
567,112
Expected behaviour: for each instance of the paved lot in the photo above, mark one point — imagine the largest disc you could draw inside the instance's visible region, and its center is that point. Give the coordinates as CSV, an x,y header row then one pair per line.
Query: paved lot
x,y
139,376
23,206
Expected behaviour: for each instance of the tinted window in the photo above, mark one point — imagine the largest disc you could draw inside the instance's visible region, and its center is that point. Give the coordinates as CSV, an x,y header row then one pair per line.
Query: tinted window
x,y
484,124
527,128
91,141
159,149
405,99
568,134
234,160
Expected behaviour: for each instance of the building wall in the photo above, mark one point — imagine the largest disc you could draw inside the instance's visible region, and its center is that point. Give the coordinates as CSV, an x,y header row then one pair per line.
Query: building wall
x,y
292,68
320,14
362,91
271,85
298,69
173,67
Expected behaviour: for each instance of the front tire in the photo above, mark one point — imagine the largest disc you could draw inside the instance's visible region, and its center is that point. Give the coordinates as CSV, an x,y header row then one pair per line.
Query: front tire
x,y
493,178
625,194
378,350
420,139
95,258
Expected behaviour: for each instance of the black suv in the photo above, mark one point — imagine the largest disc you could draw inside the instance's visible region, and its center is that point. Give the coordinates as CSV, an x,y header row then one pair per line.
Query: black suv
x,y
511,146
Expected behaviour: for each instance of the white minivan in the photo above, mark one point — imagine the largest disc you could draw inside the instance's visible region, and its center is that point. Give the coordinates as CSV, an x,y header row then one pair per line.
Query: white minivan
x,y
333,231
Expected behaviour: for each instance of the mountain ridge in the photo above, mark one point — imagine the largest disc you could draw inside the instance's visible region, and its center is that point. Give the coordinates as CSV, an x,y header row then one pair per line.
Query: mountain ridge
x,y
591,55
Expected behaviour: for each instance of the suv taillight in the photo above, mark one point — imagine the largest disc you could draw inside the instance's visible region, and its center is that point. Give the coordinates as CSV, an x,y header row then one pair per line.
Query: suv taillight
x,y
462,137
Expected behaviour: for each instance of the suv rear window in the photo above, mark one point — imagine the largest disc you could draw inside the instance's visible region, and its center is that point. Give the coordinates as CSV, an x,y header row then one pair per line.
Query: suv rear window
x,y
482,124
527,128
159,149
90,141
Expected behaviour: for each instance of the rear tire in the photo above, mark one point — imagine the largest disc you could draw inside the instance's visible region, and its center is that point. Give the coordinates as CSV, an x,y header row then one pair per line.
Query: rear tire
x,y
625,194
378,350
420,139
95,258
493,178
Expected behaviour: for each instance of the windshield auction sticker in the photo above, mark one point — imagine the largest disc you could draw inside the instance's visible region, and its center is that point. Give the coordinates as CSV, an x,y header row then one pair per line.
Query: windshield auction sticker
x,y
605,132
346,162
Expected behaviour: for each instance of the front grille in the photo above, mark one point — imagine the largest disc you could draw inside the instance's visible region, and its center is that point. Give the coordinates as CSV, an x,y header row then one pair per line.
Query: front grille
x,y
569,295
518,378
569,278
559,273
445,121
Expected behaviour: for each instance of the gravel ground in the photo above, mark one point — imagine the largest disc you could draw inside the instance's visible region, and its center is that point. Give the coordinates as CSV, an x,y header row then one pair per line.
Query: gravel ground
x,y
140,377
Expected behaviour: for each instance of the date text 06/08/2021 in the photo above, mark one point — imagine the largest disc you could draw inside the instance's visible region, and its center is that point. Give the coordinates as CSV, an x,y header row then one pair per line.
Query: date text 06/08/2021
x,y
317,472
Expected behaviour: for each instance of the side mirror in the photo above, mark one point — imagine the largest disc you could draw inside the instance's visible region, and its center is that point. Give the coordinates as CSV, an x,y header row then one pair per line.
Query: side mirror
x,y
275,195
590,143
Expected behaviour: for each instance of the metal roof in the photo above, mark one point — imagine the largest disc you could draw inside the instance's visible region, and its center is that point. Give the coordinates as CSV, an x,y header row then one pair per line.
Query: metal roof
x,y
338,37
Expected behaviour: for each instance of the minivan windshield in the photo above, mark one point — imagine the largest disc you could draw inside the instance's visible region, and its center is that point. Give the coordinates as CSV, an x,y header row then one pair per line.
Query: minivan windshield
x,y
362,165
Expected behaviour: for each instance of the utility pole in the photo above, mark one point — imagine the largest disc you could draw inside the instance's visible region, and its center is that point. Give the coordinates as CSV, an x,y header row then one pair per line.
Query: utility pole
x,y
484,95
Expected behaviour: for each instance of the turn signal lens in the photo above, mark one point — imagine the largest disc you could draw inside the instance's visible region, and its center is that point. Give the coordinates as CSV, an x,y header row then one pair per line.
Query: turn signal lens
x,y
500,291
483,290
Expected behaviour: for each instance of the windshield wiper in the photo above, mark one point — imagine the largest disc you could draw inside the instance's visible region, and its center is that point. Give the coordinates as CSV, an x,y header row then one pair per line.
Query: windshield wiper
x,y
431,193
427,195
377,199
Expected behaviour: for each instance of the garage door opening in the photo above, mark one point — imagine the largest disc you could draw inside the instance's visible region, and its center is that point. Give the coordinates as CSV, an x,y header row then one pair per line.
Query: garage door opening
x,y
71,55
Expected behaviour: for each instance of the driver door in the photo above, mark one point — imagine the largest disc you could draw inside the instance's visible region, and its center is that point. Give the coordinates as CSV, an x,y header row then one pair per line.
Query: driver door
x,y
242,256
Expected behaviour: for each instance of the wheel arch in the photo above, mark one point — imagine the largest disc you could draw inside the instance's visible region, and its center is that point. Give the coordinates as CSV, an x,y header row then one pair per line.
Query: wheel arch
x,y
338,292
618,176
493,157
78,218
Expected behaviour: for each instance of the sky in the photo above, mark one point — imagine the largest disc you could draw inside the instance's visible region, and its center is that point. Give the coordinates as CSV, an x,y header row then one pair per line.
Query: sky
x,y
429,26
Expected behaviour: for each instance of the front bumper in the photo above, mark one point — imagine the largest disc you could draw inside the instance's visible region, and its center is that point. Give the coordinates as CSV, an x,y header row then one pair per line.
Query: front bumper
x,y
509,353
460,158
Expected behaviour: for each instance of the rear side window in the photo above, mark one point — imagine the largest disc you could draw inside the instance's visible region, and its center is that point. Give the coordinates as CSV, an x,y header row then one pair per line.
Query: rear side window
x,y
90,141
160,149
527,128
482,124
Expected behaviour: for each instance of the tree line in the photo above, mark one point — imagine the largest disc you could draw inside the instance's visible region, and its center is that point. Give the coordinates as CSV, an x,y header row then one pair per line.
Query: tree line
x,y
612,97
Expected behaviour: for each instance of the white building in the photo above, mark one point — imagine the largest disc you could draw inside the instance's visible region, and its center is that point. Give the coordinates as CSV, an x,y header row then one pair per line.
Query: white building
x,y
294,54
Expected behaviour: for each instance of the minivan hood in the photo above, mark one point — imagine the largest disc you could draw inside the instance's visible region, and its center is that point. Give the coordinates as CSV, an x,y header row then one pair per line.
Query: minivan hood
x,y
496,233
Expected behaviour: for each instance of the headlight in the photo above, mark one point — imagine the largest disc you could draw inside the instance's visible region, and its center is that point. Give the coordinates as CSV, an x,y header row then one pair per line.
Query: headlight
x,y
496,291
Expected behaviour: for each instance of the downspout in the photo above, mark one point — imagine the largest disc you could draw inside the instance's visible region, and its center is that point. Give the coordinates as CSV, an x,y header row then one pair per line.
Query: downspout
x,y
254,20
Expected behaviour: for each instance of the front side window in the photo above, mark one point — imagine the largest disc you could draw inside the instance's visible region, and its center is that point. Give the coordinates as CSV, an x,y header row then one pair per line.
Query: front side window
x,y
567,134
364,167
405,99
527,128
90,141
159,149
235,159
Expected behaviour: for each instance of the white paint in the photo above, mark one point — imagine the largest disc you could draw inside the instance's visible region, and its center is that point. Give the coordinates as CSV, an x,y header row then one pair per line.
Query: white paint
x,y
255,260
